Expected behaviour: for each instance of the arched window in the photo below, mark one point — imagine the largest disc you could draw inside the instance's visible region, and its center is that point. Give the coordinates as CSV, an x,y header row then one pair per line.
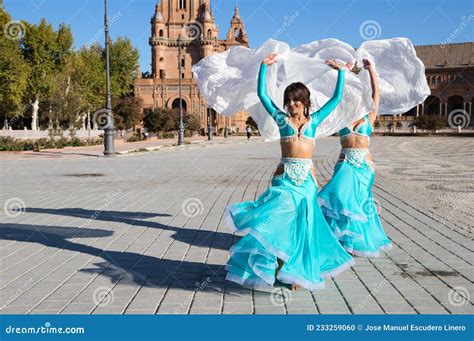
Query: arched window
x,y
161,33
209,33
175,104
182,4
432,106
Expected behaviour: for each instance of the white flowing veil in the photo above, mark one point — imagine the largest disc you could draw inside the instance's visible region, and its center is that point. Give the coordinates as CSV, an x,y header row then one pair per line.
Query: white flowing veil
x,y
401,74
228,80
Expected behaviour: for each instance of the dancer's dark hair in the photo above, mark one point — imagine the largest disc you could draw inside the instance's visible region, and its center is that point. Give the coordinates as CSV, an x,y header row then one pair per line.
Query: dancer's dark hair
x,y
298,92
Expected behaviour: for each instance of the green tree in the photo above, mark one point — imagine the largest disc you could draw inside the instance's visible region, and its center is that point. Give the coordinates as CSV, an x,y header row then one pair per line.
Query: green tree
x,y
154,120
127,112
90,76
67,100
430,122
166,120
123,61
45,50
14,73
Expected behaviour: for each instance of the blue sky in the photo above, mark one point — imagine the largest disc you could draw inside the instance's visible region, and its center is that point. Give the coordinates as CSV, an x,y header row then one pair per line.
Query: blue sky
x,y
423,21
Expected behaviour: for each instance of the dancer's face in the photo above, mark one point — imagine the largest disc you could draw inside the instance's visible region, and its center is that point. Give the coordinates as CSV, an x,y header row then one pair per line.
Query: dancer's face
x,y
295,107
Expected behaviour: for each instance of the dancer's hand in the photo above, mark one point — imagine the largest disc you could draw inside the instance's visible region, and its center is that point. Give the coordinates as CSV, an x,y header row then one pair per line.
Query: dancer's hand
x,y
367,64
270,59
338,66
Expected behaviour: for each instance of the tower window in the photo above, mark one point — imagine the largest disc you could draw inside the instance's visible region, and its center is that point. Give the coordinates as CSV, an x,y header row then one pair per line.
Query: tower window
x,y
161,33
182,4
182,62
182,75
162,73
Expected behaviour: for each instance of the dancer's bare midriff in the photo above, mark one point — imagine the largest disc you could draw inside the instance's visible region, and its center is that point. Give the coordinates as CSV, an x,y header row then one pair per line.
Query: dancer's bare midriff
x,y
296,149
356,142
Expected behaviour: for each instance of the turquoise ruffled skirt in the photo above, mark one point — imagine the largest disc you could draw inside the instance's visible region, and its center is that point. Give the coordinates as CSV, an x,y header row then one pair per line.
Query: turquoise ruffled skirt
x,y
284,222
351,212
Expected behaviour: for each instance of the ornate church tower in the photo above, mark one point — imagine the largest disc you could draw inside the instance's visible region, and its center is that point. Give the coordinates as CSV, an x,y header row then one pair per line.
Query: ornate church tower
x,y
193,22
236,34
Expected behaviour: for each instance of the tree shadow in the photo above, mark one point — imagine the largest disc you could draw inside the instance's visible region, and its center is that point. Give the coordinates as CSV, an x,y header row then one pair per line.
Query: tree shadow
x,y
196,237
126,267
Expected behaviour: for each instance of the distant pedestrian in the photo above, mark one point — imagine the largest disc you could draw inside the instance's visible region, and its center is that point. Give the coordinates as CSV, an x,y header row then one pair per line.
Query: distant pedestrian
x,y
249,131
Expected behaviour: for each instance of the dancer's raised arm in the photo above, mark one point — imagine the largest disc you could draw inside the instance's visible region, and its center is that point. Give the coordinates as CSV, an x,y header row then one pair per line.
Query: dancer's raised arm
x,y
375,89
262,85
326,109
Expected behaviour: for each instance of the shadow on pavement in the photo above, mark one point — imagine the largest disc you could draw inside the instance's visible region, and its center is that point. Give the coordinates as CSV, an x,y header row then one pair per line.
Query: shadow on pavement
x,y
126,267
196,237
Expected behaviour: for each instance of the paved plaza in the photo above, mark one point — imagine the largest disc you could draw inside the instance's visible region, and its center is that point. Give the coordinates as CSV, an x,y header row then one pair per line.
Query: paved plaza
x,y
143,233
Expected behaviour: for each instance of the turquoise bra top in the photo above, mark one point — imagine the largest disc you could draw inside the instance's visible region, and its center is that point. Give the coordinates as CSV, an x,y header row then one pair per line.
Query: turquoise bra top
x,y
288,132
362,129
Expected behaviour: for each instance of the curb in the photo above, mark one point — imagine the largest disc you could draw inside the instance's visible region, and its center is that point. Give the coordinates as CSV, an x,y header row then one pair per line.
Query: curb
x,y
151,149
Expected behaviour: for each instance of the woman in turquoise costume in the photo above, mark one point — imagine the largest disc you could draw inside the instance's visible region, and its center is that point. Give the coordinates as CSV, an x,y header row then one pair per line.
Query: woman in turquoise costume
x,y
347,201
286,235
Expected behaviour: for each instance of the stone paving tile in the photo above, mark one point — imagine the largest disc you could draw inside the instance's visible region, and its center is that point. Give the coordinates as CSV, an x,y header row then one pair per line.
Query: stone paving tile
x,y
238,308
332,308
303,311
127,233
140,311
205,311
269,309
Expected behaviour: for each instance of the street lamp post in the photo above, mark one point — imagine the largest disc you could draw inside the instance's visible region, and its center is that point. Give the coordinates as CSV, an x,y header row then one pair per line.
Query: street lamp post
x,y
209,126
181,126
225,127
109,129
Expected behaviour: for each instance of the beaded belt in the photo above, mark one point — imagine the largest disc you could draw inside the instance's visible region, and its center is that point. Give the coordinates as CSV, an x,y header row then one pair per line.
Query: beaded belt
x,y
355,156
296,169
